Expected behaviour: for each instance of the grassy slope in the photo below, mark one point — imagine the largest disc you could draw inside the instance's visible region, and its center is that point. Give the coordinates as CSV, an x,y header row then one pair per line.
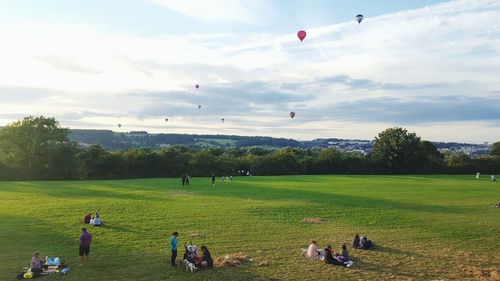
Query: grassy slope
x,y
427,227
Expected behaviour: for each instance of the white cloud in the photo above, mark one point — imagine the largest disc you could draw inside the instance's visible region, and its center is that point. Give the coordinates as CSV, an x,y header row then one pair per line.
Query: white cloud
x,y
219,10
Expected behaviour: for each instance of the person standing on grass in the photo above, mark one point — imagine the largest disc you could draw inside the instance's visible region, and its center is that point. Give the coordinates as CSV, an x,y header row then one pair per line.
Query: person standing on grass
x,y
493,178
85,240
183,180
187,179
173,247
213,180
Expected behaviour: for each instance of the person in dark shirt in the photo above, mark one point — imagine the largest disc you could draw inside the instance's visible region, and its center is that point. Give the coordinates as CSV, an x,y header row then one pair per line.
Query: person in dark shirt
x,y
213,180
87,218
329,259
206,258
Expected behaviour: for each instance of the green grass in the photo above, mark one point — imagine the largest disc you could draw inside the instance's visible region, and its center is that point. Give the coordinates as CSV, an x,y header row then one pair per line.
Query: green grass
x,y
427,227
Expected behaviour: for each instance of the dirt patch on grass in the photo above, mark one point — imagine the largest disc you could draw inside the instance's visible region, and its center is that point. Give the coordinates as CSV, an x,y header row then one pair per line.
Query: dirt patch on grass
x,y
197,234
488,274
232,260
313,220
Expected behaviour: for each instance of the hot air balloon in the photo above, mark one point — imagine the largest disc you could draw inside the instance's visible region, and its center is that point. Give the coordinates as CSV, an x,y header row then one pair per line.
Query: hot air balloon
x,y
199,106
359,18
166,119
222,120
119,125
197,86
292,114
301,34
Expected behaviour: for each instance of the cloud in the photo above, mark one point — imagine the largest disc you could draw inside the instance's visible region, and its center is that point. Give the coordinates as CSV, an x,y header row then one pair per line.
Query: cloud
x,y
425,68
218,10
68,64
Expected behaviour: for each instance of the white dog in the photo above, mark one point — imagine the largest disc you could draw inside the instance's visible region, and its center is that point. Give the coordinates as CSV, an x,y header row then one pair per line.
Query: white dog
x,y
190,266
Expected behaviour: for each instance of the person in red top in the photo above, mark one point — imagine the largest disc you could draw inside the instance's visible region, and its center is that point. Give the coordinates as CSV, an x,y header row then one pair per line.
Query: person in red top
x,y
87,218
85,240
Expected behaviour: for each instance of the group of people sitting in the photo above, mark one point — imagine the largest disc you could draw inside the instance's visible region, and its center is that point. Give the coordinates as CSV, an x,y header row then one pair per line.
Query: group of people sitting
x,y
95,221
40,266
329,255
337,258
493,205
362,242
191,255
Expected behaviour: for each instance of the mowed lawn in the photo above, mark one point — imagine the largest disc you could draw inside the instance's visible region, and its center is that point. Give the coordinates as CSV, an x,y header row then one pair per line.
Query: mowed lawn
x,y
426,227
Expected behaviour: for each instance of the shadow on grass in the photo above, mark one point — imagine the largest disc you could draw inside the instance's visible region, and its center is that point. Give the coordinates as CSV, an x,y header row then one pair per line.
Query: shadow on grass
x,y
395,251
76,190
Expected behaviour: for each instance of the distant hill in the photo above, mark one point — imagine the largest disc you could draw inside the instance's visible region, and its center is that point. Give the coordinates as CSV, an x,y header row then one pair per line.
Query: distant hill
x,y
142,139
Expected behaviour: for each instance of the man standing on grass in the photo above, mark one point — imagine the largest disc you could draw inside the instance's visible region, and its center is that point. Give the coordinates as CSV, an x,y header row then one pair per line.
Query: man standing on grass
x,y
85,240
213,180
173,247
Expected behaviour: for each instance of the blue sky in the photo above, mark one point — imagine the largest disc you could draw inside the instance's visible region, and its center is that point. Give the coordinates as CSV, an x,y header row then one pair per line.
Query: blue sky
x,y
430,66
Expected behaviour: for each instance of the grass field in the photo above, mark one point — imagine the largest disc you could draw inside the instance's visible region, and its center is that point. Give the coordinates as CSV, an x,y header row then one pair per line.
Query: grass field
x,y
426,227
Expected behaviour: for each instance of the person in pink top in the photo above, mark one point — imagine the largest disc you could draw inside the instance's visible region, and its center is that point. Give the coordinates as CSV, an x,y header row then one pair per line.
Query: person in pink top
x,y
312,251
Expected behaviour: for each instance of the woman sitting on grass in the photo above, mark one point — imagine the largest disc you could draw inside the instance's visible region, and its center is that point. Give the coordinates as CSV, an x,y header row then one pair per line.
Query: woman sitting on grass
x,y
36,263
312,251
98,221
206,258
355,241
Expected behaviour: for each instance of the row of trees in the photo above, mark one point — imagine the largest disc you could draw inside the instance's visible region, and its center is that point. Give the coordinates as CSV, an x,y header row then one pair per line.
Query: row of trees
x,y
38,148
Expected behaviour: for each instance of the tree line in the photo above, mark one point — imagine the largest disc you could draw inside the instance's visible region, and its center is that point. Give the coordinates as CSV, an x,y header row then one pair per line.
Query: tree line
x,y
37,148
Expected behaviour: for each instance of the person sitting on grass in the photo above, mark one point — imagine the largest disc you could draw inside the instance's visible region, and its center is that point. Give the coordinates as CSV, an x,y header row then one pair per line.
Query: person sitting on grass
x,y
330,259
365,244
312,251
355,241
98,221
87,218
92,221
37,263
345,253
206,258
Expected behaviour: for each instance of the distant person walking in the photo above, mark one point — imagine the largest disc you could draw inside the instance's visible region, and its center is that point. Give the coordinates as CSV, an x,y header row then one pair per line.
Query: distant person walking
x,y
477,175
493,178
183,180
213,180
187,180
173,247
84,252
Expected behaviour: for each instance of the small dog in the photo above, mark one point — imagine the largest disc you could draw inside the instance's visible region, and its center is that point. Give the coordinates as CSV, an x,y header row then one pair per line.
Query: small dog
x,y
190,266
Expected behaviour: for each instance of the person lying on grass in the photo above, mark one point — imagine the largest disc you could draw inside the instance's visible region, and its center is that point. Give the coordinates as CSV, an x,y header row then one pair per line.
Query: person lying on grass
x,y
365,244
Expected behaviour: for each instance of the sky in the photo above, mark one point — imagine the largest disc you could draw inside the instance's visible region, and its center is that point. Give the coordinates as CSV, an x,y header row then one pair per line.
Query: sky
x,y
429,66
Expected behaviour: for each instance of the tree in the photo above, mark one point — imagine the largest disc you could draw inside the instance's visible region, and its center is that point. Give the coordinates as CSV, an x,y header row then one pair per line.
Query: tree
x,y
24,144
495,149
396,149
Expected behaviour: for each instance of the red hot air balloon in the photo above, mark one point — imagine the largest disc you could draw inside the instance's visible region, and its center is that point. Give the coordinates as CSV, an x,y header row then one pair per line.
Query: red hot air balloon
x,y
292,114
197,86
301,34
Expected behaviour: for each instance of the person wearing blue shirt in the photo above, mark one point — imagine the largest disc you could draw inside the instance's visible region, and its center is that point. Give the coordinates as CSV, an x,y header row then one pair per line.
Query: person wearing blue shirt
x,y
173,247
